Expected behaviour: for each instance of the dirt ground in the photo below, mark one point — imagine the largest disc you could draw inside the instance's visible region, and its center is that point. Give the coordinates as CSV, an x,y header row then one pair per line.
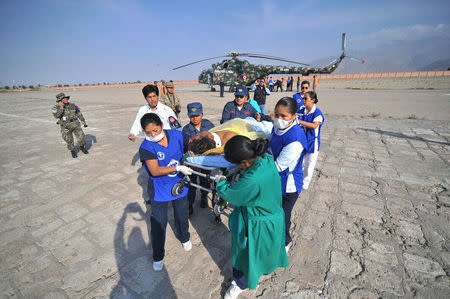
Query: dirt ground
x,y
374,222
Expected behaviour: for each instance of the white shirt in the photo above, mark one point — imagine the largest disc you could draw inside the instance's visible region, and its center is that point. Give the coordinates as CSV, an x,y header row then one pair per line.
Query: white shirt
x,y
288,157
163,111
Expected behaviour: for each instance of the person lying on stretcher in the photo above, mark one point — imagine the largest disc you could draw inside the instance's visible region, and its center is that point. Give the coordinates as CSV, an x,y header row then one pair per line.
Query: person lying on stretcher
x,y
212,142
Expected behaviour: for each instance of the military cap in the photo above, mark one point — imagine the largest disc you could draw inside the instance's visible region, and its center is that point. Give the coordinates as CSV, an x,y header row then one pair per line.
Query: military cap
x,y
169,84
194,109
61,96
241,91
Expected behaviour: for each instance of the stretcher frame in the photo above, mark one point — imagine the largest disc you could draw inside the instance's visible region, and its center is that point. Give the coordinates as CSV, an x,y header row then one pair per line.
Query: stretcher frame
x,y
219,205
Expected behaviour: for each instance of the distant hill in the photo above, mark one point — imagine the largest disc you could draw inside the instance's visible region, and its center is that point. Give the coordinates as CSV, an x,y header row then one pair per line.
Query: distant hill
x,y
439,65
397,56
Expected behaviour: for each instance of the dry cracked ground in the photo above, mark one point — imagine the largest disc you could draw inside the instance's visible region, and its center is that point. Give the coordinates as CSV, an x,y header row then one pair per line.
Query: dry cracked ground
x,y
374,223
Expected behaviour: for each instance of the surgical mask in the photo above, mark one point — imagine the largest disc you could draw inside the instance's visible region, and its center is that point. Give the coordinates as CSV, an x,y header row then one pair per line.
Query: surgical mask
x,y
281,124
157,138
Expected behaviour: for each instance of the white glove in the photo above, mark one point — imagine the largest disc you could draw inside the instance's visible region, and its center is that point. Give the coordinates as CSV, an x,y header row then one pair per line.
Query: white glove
x,y
184,169
217,178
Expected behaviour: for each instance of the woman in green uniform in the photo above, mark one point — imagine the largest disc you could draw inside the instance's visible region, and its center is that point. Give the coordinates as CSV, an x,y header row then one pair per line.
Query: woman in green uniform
x,y
257,222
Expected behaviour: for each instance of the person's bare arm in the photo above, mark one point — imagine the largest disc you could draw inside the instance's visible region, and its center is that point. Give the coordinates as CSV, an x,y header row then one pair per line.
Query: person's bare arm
x,y
157,170
309,125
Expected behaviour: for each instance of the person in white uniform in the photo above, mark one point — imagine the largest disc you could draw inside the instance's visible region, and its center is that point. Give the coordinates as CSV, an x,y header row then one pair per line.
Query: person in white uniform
x,y
165,113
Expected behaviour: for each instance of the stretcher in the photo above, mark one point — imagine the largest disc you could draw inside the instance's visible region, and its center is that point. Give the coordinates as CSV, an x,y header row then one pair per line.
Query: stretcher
x,y
209,167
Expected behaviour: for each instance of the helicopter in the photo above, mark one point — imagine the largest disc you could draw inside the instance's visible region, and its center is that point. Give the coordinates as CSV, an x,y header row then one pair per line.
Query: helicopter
x,y
234,71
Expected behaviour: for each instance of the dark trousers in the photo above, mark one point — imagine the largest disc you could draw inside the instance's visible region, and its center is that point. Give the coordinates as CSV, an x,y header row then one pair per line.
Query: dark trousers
x,y
158,222
288,203
222,90
239,278
193,191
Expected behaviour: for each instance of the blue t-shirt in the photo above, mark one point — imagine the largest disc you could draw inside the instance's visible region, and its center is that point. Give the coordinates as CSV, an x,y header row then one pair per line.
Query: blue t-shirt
x,y
255,105
160,187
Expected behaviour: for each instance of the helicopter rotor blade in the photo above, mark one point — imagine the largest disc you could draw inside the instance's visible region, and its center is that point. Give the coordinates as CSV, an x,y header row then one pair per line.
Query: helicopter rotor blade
x,y
253,55
356,59
333,61
343,41
178,67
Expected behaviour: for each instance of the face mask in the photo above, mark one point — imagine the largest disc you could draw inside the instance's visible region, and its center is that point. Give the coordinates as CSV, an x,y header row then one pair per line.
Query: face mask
x,y
157,138
281,124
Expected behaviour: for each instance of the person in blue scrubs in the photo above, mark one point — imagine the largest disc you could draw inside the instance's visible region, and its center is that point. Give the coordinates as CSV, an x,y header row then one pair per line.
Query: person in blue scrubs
x,y
161,153
311,118
287,144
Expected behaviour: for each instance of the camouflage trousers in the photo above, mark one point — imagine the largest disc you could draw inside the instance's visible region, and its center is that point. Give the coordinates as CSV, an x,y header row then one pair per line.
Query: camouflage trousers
x,y
67,134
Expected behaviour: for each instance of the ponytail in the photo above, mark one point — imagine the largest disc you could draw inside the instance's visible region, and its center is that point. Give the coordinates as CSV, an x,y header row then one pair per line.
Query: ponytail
x,y
260,146
240,148
313,96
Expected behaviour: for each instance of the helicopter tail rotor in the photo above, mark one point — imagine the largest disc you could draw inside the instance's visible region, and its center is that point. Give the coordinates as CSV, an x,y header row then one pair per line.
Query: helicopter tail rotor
x,y
343,46
356,59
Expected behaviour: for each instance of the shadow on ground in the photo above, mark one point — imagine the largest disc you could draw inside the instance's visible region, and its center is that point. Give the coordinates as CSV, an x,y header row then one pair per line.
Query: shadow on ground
x,y
401,135
216,238
142,178
134,261
90,139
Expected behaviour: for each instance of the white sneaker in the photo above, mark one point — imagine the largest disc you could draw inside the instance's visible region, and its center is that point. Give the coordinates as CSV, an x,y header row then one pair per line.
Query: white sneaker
x,y
305,187
157,266
287,248
187,245
233,291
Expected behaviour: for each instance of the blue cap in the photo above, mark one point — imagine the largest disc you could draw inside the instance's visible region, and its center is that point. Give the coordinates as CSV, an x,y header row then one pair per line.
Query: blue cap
x,y
194,109
241,91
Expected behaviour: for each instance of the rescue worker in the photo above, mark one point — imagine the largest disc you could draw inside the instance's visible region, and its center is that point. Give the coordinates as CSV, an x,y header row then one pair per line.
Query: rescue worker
x,y
167,116
311,118
222,87
257,221
315,82
161,153
171,99
69,117
196,125
299,95
287,143
239,108
260,96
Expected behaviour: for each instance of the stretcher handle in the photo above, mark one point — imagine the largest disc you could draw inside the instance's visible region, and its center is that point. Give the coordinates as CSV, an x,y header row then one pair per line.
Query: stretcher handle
x,y
203,175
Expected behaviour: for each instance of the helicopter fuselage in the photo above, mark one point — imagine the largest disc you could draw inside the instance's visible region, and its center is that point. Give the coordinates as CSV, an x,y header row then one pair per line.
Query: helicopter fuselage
x,y
235,71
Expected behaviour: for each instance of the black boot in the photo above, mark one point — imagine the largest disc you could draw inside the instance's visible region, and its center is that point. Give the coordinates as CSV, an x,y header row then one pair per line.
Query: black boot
x,y
74,154
84,150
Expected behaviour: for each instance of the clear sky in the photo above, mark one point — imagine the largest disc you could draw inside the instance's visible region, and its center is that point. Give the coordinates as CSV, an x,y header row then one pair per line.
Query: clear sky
x,y
60,41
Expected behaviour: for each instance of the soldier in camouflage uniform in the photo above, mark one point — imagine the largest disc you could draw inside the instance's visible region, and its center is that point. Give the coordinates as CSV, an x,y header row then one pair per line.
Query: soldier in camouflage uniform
x,y
68,115
171,99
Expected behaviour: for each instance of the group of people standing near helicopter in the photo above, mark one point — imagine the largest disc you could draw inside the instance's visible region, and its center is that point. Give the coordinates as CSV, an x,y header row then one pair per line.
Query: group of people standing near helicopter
x,y
274,172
